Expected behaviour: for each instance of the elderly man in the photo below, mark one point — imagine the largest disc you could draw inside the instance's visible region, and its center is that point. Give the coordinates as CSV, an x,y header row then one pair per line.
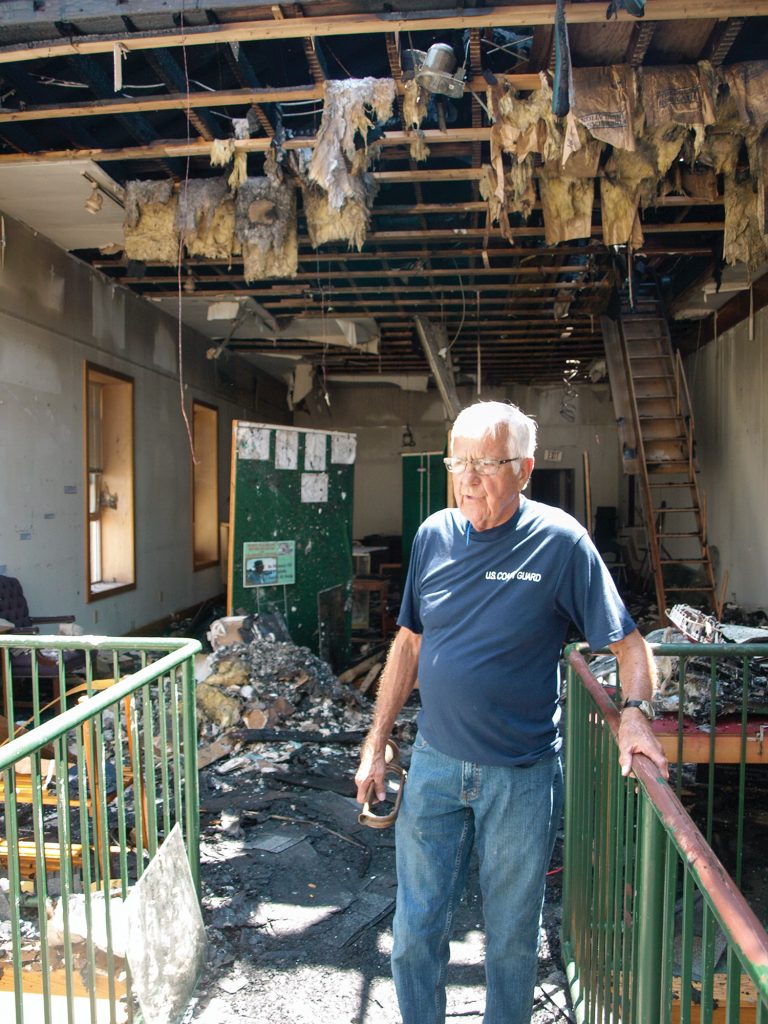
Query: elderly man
x,y
492,586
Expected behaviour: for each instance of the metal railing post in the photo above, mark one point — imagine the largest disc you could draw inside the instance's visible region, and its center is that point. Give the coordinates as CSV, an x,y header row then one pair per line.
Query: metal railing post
x,y
648,914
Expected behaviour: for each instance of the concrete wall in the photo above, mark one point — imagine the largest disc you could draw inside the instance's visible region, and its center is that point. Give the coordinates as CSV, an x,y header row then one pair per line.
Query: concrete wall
x,y
728,380
55,314
377,414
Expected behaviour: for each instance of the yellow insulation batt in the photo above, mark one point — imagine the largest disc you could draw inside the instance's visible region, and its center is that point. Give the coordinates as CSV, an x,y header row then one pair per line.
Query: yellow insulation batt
x,y
567,207
265,226
605,102
679,94
527,125
743,242
351,109
338,207
205,218
150,222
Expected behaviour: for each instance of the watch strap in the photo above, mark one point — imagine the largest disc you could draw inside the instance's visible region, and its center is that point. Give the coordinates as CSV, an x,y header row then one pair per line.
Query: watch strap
x,y
644,706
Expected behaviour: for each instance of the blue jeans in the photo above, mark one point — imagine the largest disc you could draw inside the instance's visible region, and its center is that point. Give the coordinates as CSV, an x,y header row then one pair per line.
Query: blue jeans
x,y
512,816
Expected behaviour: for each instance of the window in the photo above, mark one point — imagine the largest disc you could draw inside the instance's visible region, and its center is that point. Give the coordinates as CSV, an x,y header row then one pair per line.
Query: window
x,y
109,482
205,486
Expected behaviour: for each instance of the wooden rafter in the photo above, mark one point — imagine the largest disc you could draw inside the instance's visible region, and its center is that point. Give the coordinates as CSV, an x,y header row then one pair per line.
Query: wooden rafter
x,y
361,24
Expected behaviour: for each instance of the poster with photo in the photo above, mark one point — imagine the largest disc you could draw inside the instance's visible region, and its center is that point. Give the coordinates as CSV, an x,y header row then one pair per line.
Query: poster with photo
x,y
269,563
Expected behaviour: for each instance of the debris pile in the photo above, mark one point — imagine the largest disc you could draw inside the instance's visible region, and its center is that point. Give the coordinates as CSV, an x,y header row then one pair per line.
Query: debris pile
x,y
270,681
258,687
727,683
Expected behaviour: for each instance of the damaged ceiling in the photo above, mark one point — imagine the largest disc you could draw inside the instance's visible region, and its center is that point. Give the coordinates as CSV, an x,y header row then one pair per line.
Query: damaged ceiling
x,y
323,175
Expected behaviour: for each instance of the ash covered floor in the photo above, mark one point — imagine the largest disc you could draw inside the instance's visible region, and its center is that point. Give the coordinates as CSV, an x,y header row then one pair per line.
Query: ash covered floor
x,y
297,896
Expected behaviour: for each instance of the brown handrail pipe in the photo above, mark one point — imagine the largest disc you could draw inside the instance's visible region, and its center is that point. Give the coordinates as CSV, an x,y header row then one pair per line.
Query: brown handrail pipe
x,y
740,924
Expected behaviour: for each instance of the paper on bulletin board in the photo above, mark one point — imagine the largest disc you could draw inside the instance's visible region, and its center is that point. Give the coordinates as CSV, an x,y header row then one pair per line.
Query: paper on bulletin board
x,y
286,449
269,563
314,452
314,487
252,442
343,449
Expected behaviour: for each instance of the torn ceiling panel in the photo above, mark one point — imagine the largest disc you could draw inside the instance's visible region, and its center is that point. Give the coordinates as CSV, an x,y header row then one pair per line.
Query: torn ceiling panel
x,y
362,334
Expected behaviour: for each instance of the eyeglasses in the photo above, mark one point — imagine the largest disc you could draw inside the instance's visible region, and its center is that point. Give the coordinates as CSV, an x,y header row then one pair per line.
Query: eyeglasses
x,y
484,467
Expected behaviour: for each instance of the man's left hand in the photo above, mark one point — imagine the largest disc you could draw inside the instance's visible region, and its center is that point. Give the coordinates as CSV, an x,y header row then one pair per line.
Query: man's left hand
x,y
636,737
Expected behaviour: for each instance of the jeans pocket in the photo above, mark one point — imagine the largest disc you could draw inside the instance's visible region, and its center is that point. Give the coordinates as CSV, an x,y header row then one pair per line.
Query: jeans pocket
x,y
420,743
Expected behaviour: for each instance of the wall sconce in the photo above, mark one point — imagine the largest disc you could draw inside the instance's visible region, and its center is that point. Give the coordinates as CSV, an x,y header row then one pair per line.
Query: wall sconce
x,y
407,439
95,200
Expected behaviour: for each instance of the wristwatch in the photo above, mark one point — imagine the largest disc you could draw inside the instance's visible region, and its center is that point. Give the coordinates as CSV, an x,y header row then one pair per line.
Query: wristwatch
x,y
645,707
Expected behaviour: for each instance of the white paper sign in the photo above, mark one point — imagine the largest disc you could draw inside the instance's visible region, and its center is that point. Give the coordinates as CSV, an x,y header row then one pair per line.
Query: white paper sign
x,y
252,442
343,448
286,449
314,487
314,452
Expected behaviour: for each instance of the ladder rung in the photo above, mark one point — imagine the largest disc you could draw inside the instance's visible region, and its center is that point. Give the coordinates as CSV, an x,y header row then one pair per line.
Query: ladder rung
x,y
697,590
683,561
655,464
654,437
678,508
678,536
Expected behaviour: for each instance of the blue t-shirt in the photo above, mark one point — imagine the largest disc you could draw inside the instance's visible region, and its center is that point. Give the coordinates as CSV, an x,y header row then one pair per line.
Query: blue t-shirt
x,y
493,608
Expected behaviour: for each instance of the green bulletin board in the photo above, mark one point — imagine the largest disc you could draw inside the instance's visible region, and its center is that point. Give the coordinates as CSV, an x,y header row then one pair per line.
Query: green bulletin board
x,y
290,531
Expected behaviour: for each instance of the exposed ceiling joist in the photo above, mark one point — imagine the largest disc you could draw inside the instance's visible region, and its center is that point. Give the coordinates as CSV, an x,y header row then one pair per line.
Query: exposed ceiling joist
x,y
361,24
430,248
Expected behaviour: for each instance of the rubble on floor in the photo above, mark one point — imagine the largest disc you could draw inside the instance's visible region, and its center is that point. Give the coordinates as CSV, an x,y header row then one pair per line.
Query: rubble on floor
x,y
297,895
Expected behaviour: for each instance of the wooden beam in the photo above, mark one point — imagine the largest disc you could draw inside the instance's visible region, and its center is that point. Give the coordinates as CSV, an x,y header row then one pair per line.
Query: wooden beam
x,y
376,275
512,15
220,98
505,287
311,258
199,147
29,12
172,101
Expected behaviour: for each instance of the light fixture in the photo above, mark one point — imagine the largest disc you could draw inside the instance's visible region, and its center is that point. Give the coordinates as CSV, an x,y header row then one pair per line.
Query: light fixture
x,y
436,72
407,439
95,200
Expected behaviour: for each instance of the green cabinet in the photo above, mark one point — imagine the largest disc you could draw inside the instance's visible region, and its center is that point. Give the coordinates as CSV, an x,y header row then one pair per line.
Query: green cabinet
x,y
424,492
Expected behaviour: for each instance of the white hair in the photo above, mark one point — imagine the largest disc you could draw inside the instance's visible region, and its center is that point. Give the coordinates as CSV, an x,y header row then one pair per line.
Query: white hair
x,y
490,419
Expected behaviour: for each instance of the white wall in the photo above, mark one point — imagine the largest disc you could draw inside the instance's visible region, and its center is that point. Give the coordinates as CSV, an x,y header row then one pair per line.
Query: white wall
x,y
728,380
55,314
377,414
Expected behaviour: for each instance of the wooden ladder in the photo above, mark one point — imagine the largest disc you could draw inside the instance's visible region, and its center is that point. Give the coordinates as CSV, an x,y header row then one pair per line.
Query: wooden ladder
x,y
655,416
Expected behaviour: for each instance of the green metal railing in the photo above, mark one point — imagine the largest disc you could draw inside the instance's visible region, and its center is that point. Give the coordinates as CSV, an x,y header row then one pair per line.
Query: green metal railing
x,y
88,794
654,928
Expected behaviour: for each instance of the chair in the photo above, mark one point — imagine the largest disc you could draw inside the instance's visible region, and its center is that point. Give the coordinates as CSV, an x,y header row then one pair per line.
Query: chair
x,y
14,608
25,783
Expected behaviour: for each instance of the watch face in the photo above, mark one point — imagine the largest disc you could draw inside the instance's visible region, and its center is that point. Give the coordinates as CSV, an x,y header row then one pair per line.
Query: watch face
x,y
644,706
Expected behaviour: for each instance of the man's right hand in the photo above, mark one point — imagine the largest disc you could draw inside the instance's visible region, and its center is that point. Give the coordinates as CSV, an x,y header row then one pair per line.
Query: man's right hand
x,y
396,682
372,769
